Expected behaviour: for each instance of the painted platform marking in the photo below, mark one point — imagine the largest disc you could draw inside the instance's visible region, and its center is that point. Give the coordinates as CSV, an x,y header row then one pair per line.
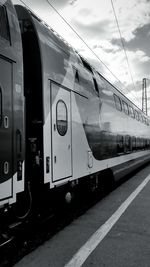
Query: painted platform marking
x,y
83,253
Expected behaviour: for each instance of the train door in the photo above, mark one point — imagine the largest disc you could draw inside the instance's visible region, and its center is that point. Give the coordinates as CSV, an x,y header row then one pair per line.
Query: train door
x,y
61,132
5,129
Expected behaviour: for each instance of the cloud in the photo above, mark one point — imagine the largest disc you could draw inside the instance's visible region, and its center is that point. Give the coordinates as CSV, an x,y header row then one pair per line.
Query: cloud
x,y
136,96
106,46
142,56
140,41
57,3
95,30
72,2
132,15
95,23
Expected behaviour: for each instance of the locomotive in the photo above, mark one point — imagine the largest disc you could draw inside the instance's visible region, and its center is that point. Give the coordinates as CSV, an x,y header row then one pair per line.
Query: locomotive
x,y
62,124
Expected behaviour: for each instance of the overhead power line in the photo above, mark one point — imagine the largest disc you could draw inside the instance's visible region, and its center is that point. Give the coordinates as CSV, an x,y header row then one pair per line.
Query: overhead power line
x,y
79,38
25,4
92,49
126,56
75,33
82,39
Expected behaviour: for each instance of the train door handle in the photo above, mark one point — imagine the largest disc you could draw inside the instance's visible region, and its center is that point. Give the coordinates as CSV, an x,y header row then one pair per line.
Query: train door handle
x,y
6,122
54,159
6,167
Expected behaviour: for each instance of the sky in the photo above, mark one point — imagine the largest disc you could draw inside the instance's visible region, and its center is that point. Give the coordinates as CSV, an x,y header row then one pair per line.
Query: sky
x,y
126,54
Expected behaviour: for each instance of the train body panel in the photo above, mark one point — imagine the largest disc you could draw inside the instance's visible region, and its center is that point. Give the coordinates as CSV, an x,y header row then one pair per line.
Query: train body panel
x,y
11,107
76,123
6,139
100,136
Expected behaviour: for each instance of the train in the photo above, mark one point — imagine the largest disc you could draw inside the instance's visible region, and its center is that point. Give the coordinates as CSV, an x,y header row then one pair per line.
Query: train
x,y
62,124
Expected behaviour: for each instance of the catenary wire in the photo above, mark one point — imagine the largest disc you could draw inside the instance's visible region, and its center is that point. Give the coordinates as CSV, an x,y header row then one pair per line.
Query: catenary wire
x,y
92,50
123,46
80,39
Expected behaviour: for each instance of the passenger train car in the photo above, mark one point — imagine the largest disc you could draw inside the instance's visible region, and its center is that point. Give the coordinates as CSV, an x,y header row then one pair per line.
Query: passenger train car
x,y
62,123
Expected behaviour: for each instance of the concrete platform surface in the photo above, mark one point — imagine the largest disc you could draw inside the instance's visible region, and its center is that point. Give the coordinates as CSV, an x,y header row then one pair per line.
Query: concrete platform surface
x,y
126,244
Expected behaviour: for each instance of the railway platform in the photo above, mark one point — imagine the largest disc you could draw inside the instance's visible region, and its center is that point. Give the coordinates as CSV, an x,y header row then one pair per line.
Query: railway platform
x,y
114,233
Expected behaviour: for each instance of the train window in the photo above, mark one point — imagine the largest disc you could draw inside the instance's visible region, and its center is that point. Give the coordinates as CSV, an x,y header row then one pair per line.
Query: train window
x,y
120,143
117,102
86,65
127,143
125,107
141,143
148,143
96,85
145,143
147,121
76,76
61,118
25,26
140,117
0,106
131,112
133,142
4,27
144,119
136,115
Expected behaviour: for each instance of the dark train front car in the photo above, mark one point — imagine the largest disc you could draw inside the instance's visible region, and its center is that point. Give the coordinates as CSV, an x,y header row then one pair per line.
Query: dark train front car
x,y
62,123
12,134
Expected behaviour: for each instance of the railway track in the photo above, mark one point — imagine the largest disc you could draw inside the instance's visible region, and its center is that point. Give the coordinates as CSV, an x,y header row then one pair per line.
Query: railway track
x,y
23,237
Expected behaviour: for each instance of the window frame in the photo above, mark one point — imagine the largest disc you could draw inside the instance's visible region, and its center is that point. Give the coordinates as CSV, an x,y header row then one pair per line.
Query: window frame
x,y
137,115
118,100
95,85
140,117
147,122
76,76
131,111
124,104
86,65
7,38
57,125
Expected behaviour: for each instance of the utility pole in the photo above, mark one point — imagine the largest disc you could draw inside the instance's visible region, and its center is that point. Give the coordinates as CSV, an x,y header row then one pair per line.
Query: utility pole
x,y
144,96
